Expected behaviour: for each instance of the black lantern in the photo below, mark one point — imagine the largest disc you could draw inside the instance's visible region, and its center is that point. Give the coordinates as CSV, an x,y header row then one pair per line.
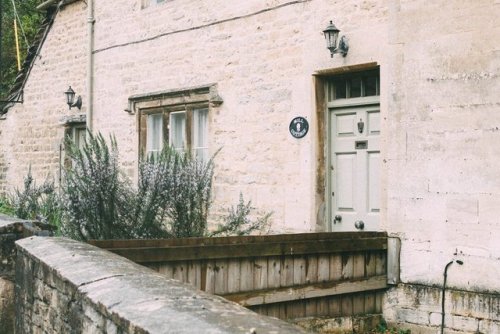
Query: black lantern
x,y
70,99
331,34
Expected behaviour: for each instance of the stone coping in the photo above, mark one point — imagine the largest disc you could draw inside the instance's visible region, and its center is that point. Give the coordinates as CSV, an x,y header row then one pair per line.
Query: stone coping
x,y
136,298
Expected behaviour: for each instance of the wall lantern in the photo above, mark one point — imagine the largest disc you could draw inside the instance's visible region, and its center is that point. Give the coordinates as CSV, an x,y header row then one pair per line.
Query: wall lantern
x,y
331,34
70,99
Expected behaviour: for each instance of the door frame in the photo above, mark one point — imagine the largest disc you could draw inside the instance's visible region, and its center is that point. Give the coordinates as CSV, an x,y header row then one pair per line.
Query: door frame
x,y
338,104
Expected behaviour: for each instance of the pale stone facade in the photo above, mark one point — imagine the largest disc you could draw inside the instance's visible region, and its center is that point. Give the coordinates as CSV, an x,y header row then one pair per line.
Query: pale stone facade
x,y
439,63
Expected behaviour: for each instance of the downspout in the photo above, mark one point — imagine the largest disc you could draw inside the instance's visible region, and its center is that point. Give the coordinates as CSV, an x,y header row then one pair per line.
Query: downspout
x,y
90,64
444,291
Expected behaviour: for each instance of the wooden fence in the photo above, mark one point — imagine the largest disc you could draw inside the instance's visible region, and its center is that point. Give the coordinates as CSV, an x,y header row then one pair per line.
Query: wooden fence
x,y
286,276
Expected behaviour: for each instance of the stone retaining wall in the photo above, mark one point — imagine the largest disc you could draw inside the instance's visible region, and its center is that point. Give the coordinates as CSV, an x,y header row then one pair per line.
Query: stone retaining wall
x,y
12,229
418,307
64,286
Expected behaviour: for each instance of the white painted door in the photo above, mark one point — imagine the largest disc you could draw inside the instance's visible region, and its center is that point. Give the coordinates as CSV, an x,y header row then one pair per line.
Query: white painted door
x,y
355,168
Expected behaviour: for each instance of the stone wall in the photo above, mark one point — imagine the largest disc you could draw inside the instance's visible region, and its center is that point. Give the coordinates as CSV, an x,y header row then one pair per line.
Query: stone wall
x,y
12,229
442,178
64,286
418,308
439,65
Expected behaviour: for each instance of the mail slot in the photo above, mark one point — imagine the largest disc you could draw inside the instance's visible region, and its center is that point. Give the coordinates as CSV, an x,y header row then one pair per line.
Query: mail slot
x,y
361,144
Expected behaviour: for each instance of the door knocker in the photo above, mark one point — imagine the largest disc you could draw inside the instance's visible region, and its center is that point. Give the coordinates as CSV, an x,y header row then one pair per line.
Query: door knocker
x,y
361,125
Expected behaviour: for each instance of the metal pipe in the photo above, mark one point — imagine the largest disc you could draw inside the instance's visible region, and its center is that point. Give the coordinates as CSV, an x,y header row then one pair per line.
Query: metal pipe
x,y
444,291
90,64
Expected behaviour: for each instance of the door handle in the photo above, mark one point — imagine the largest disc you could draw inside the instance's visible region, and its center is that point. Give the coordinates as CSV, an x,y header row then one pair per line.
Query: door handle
x,y
337,219
359,224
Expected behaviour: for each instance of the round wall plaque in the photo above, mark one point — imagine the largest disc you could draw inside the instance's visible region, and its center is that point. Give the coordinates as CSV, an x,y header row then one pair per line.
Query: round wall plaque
x,y
299,127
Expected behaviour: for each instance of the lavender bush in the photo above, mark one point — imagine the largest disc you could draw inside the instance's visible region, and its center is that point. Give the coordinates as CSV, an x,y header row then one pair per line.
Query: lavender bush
x,y
238,222
36,202
95,193
97,201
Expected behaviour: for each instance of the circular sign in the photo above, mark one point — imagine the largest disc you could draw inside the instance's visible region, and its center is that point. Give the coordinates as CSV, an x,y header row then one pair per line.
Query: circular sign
x,y
298,127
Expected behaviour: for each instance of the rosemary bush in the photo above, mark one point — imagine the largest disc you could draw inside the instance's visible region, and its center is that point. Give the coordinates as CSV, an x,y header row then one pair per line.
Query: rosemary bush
x,y
37,202
238,222
97,201
174,195
95,193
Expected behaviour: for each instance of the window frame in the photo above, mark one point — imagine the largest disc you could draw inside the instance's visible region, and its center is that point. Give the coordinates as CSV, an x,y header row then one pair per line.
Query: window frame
x,y
171,101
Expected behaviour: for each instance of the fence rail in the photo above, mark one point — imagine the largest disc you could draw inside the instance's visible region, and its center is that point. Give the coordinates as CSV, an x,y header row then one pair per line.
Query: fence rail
x,y
286,276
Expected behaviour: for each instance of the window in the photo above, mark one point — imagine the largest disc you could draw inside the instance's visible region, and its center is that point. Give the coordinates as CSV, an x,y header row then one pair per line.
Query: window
x,y
78,134
361,85
75,129
179,118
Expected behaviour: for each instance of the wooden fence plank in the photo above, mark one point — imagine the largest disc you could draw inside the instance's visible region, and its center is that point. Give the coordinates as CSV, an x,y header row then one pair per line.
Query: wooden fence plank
x,y
311,278
183,253
308,291
260,274
369,303
233,276
158,243
286,276
336,267
210,277
221,277
274,281
358,265
166,269
246,274
370,264
180,271
273,272
335,306
347,305
347,266
194,274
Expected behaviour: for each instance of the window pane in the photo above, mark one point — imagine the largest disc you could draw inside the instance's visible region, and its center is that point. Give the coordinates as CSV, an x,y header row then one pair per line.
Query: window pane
x,y
178,130
355,85
200,134
370,86
80,137
340,89
155,133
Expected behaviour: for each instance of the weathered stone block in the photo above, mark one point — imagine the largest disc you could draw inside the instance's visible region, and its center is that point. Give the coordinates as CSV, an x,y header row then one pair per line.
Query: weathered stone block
x,y
93,299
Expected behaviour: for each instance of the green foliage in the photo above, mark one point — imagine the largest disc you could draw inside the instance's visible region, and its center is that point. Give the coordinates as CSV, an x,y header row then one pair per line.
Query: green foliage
x,y
37,202
6,208
238,222
173,196
97,201
30,21
172,199
95,192
383,328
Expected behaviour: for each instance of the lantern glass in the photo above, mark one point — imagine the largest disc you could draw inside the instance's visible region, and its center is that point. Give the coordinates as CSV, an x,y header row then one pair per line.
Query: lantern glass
x,y
70,96
331,34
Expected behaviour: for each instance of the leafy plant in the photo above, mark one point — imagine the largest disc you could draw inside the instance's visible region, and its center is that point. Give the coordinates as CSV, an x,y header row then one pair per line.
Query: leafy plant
x,y
383,328
6,208
30,20
95,192
37,202
97,201
238,222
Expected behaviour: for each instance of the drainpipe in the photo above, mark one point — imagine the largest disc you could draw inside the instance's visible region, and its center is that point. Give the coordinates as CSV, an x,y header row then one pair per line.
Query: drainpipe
x,y
90,64
444,290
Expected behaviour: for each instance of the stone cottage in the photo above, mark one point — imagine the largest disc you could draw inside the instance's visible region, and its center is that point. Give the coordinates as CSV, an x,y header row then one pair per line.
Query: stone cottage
x,y
398,135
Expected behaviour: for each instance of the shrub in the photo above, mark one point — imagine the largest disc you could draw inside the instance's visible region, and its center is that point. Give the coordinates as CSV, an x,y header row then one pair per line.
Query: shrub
x,y
172,198
37,202
238,222
95,192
